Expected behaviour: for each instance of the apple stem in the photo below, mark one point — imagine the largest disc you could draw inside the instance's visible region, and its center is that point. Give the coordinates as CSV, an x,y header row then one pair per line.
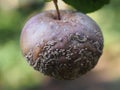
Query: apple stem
x,y
57,9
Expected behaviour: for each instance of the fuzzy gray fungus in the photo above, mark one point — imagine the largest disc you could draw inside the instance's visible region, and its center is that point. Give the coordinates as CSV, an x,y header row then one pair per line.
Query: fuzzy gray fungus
x,y
63,49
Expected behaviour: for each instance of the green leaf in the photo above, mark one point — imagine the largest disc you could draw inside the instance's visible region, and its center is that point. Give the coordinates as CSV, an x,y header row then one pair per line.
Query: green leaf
x,y
87,6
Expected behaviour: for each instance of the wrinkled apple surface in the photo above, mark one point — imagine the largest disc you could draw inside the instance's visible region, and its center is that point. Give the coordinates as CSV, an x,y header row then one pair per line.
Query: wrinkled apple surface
x,y
63,49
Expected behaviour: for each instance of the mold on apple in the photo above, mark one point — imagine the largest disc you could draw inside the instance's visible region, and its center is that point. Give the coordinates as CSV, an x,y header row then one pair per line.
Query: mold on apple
x,y
65,48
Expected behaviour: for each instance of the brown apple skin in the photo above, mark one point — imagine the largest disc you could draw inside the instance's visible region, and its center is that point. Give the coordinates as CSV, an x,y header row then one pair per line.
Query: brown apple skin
x,y
63,49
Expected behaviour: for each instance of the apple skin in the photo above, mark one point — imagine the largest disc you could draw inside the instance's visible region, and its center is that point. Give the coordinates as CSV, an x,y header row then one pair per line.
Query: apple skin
x,y
63,49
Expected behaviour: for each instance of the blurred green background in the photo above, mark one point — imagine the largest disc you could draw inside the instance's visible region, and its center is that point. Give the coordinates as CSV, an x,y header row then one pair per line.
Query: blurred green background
x,y
16,74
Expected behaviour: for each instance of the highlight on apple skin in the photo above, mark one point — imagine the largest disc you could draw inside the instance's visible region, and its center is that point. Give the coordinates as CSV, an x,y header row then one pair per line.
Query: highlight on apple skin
x,y
62,49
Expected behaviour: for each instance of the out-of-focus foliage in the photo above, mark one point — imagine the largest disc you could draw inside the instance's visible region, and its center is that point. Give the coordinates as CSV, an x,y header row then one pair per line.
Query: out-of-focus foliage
x,y
16,74
48,0
29,6
14,71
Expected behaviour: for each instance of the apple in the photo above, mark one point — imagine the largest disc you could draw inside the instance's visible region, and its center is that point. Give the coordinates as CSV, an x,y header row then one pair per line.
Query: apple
x,y
64,48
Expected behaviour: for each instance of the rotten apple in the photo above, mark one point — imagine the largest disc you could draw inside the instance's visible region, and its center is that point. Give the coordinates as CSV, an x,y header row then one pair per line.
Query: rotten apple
x,y
64,48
